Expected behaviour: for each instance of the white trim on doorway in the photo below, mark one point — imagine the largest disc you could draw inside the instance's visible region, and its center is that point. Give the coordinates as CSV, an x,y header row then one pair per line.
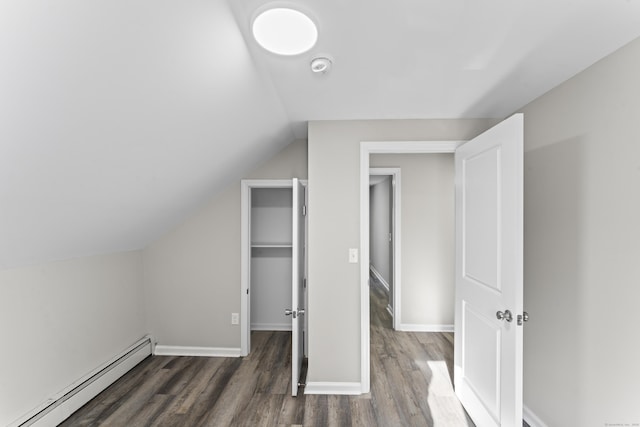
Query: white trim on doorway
x,y
367,148
396,189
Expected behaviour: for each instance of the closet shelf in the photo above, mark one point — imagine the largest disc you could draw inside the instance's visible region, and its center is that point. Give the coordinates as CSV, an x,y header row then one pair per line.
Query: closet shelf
x,y
271,245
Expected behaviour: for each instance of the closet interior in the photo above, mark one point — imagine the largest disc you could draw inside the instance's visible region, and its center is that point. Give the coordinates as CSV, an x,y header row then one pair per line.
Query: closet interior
x,y
271,258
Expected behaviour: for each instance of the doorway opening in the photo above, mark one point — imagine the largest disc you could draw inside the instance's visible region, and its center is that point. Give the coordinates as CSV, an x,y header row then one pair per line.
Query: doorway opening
x,y
488,268
274,265
426,215
385,236
424,300
366,149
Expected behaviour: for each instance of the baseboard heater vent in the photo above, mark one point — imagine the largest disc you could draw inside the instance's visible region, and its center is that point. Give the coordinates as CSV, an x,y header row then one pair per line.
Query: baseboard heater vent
x,y
60,407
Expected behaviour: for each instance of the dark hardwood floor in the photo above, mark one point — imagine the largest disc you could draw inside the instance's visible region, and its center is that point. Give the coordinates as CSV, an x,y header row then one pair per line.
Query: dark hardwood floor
x,y
411,377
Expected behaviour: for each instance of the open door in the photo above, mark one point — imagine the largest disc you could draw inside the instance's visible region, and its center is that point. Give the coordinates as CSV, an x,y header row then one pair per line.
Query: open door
x,y
297,285
489,268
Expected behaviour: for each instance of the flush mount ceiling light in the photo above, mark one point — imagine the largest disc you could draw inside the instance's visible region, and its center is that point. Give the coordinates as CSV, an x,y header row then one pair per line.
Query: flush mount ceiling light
x,y
285,31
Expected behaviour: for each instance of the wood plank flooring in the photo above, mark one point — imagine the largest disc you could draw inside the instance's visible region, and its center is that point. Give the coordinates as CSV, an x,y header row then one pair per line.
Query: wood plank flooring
x,y
411,377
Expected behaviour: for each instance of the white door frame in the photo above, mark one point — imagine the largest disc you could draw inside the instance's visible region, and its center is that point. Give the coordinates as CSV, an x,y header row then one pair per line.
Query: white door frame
x,y
396,227
245,253
366,148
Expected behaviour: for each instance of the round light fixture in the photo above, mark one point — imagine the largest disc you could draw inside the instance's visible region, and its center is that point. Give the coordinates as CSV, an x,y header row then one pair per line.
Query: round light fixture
x,y
285,31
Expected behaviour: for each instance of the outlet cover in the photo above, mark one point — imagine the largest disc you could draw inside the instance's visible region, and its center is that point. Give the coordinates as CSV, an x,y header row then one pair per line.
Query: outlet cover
x,y
235,318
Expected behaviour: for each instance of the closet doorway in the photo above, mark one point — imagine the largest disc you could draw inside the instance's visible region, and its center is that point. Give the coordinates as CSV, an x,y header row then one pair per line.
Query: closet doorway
x,y
273,264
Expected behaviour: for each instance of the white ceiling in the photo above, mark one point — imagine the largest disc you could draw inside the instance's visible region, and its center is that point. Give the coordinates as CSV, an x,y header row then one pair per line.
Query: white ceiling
x,y
118,118
441,58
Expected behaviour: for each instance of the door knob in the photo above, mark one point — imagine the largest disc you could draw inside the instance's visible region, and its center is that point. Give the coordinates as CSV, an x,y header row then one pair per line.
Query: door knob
x,y
506,315
295,313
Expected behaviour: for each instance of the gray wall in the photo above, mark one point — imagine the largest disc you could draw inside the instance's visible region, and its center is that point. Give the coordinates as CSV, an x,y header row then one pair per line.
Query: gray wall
x,y
334,227
428,246
582,246
192,274
61,320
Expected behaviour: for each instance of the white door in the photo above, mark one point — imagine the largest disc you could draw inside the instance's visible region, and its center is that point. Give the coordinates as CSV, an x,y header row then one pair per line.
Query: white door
x,y
297,285
489,248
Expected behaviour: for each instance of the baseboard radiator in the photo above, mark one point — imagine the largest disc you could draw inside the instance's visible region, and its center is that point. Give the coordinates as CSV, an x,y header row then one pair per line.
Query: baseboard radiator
x,y
58,408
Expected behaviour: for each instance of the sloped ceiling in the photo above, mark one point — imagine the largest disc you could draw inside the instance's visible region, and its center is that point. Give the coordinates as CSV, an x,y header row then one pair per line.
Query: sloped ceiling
x,y
118,118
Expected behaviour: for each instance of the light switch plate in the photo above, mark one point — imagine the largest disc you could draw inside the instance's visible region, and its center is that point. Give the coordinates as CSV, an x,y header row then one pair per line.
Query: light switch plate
x,y
353,255
235,318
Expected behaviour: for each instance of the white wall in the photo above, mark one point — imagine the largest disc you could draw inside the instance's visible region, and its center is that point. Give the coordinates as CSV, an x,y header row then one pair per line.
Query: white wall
x,y
192,274
334,227
582,246
380,204
61,320
428,247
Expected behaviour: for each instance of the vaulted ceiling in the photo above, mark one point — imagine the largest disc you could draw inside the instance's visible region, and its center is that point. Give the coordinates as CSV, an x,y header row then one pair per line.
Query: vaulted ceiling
x,y
118,118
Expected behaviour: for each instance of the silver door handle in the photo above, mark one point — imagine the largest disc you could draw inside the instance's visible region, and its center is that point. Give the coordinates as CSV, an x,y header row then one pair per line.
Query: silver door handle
x,y
295,313
506,315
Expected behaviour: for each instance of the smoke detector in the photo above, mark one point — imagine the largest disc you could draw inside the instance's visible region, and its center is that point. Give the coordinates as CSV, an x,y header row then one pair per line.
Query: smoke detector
x,y
321,65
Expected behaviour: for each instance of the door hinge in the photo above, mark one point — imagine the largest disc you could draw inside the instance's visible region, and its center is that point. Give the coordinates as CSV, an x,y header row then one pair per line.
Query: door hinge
x,y
304,210
247,291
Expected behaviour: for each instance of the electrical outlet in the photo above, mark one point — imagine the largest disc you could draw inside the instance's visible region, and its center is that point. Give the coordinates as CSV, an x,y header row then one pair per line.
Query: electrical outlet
x,y
235,318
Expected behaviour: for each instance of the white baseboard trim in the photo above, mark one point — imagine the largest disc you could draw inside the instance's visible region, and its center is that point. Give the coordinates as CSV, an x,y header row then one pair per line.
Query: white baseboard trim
x,y
411,327
271,326
379,277
390,310
333,388
531,418
176,350
61,405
